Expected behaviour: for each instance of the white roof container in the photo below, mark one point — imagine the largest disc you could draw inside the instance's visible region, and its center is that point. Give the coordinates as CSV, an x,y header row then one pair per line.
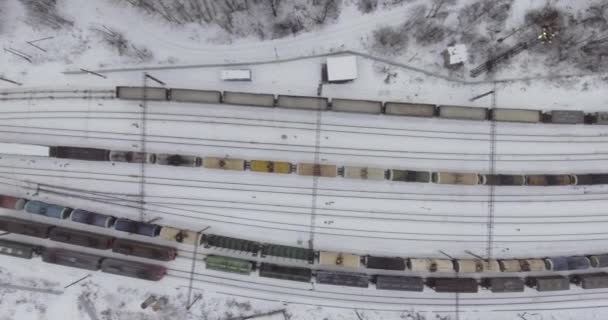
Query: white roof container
x,y
456,54
236,75
343,68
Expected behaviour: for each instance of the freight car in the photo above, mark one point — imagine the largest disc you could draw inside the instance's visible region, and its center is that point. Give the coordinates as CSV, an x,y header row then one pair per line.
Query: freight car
x,y
285,273
92,218
211,240
453,285
567,263
17,249
28,228
347,260
505,180
515,115
409,176
386,263
223,163
504,285
458,178
181,236
72,259
410,109
81,238
530,265
342,279
510,265
270,166
466,265
301,102
463,113
274,250
249,99
356,106
591,280
548,283
77,153
564,117
47,209
599,261
144,250
133,269
141,93
364,173
550,180
12,203
430,265
132,157
227,264
177,160
399,283
136,227
318,170
196,96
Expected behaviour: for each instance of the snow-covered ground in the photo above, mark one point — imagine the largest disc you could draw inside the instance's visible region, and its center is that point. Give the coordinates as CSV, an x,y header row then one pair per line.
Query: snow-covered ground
x,y
355,216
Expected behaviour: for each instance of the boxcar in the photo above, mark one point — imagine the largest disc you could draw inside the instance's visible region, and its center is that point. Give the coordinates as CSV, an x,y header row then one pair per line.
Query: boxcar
x,y
600,117
515,115
132,157
464,113
328,258
300,102
318,170
47,209
133,269
533,265
503,285
144,250
89,154
286,273
136,227
567,263
549,283
211,240
249,99
364,173
223,163
583,179
28,228
92,218
410,109
409,176
457,178
432,265
181,236
599,178
342,279
505,179
200,96
565,117
467,265
12,203
228,264
179,160
550,180
592,280
455,285
399,283
72,259
17,249
357,106
599,261
274,250
386,263
141,93
270,166
81,238
510,265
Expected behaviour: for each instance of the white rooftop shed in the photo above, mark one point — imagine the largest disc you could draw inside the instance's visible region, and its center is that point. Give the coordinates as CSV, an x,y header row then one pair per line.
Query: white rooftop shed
x,y
456,54
343,68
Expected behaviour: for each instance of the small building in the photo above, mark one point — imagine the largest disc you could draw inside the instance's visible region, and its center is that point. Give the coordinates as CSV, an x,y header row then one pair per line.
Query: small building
x,y
340,69
236,75
455,55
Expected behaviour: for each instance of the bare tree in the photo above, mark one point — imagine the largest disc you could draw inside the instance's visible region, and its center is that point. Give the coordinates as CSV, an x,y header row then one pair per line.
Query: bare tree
x,y
45,13
389,40
367,6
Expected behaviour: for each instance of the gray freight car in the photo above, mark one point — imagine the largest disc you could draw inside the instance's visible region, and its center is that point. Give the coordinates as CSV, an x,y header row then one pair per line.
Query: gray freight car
x,y
565,117
301,102
599,261
399,283
357,106
592,280
342,279
200,96
502,285
515,115
410,109
463,113
549,283
386,263
460,285
286,273
249,99
72,259
289,252
16,249
600,118
141,93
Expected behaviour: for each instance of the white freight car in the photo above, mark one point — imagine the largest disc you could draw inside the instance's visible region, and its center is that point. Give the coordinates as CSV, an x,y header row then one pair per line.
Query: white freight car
x,y
410,109
515,115
358,106
465,113
201,96
301,102
249,99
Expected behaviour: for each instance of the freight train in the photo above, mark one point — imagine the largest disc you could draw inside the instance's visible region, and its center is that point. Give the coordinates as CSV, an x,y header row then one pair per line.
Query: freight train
x,y
362,106
329,170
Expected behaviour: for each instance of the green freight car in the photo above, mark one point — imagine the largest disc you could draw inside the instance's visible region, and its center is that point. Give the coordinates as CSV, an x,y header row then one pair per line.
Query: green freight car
x,y
228,264
17,249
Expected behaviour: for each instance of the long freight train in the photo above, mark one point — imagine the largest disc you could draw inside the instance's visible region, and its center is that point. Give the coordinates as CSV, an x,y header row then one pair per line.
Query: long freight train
x,y
362,106
329,170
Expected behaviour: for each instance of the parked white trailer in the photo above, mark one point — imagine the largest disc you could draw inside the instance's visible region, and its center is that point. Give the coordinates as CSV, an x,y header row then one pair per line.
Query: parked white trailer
x,y
410,109
465,113
189,95
24,149
302,102
249,99
515,115
141,93
358,106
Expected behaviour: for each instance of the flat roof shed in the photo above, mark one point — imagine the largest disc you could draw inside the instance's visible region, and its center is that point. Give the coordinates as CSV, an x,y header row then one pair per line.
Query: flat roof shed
x,y
342,68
